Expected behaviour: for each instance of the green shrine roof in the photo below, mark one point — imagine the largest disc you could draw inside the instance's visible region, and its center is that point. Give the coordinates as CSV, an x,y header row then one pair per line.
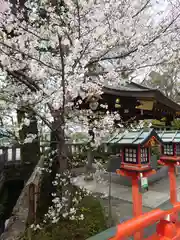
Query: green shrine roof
x,y
142,136
134,137
3,133
169,135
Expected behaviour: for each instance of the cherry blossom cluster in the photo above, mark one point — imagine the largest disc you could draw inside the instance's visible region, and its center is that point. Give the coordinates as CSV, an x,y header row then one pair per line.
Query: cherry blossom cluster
x,y
96,39
60,204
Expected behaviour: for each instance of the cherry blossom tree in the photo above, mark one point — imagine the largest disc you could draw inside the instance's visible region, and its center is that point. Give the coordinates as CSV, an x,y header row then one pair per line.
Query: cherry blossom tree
x,y
53,51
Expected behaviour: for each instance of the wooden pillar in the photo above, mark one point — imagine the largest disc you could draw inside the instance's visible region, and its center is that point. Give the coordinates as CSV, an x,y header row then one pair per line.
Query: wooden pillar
x,y
31,198
172,183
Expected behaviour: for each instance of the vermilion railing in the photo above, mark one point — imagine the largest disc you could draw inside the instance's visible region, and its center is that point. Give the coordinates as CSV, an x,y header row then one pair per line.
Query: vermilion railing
x,y
165,229
167,223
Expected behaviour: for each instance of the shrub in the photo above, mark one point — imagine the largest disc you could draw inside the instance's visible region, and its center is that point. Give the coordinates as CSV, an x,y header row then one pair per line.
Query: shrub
x,y
93,223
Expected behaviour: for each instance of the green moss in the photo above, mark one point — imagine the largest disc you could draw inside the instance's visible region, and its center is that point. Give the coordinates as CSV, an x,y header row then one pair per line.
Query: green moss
x,y
93,223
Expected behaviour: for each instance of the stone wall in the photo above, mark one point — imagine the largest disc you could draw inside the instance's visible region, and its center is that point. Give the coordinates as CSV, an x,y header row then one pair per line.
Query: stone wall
x,y
18,221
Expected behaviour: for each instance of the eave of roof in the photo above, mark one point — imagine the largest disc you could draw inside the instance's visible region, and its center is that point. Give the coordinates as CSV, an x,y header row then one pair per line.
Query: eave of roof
x,y
140,137
138,91
169,136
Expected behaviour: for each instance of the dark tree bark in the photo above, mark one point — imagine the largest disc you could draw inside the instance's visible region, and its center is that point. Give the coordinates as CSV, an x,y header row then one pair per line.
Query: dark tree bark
x,y
58,140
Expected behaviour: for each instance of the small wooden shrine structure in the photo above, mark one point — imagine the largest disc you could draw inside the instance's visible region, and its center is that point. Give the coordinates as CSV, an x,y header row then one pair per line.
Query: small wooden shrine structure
x,y
133,101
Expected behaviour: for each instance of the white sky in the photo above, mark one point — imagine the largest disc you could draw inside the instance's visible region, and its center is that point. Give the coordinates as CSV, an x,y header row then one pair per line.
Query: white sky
x,y
2,5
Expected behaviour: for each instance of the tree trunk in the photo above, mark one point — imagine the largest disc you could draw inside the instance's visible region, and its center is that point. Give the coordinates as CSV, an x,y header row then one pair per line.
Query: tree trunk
x,y
58,140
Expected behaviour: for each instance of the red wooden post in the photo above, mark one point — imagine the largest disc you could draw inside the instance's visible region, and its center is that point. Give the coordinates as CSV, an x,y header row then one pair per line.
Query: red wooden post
x,y
172,179
137,204
136,195
172,183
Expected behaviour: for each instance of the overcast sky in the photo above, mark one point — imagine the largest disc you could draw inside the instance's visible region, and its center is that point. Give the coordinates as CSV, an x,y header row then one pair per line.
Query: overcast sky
x,y
2,5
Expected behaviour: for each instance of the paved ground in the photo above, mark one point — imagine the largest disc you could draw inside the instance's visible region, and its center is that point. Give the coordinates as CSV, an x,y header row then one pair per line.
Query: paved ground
x,y
121,200
157,195
123,210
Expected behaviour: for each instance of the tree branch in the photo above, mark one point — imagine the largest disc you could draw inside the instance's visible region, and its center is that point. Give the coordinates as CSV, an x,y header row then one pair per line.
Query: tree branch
x,y
29,56
127,69
79,20
124,55
142,9
81,55
16,75
25,29
27,81
61,51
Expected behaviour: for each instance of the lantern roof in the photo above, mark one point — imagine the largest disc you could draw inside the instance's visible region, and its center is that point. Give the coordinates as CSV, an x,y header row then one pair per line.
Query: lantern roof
x,y
168,136
138,137
3,133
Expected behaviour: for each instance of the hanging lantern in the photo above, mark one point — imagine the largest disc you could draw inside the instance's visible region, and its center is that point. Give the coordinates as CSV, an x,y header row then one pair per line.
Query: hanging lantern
x,y
117,103
93,101
93,105
135,153
171,145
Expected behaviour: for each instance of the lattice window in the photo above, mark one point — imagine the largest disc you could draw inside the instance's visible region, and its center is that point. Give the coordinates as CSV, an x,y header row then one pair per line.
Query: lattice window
x,y
144,155
130,155
177,149
168,149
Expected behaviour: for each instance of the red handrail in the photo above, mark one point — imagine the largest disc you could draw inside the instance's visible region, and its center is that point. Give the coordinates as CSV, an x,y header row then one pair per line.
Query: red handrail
x,y
131,226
